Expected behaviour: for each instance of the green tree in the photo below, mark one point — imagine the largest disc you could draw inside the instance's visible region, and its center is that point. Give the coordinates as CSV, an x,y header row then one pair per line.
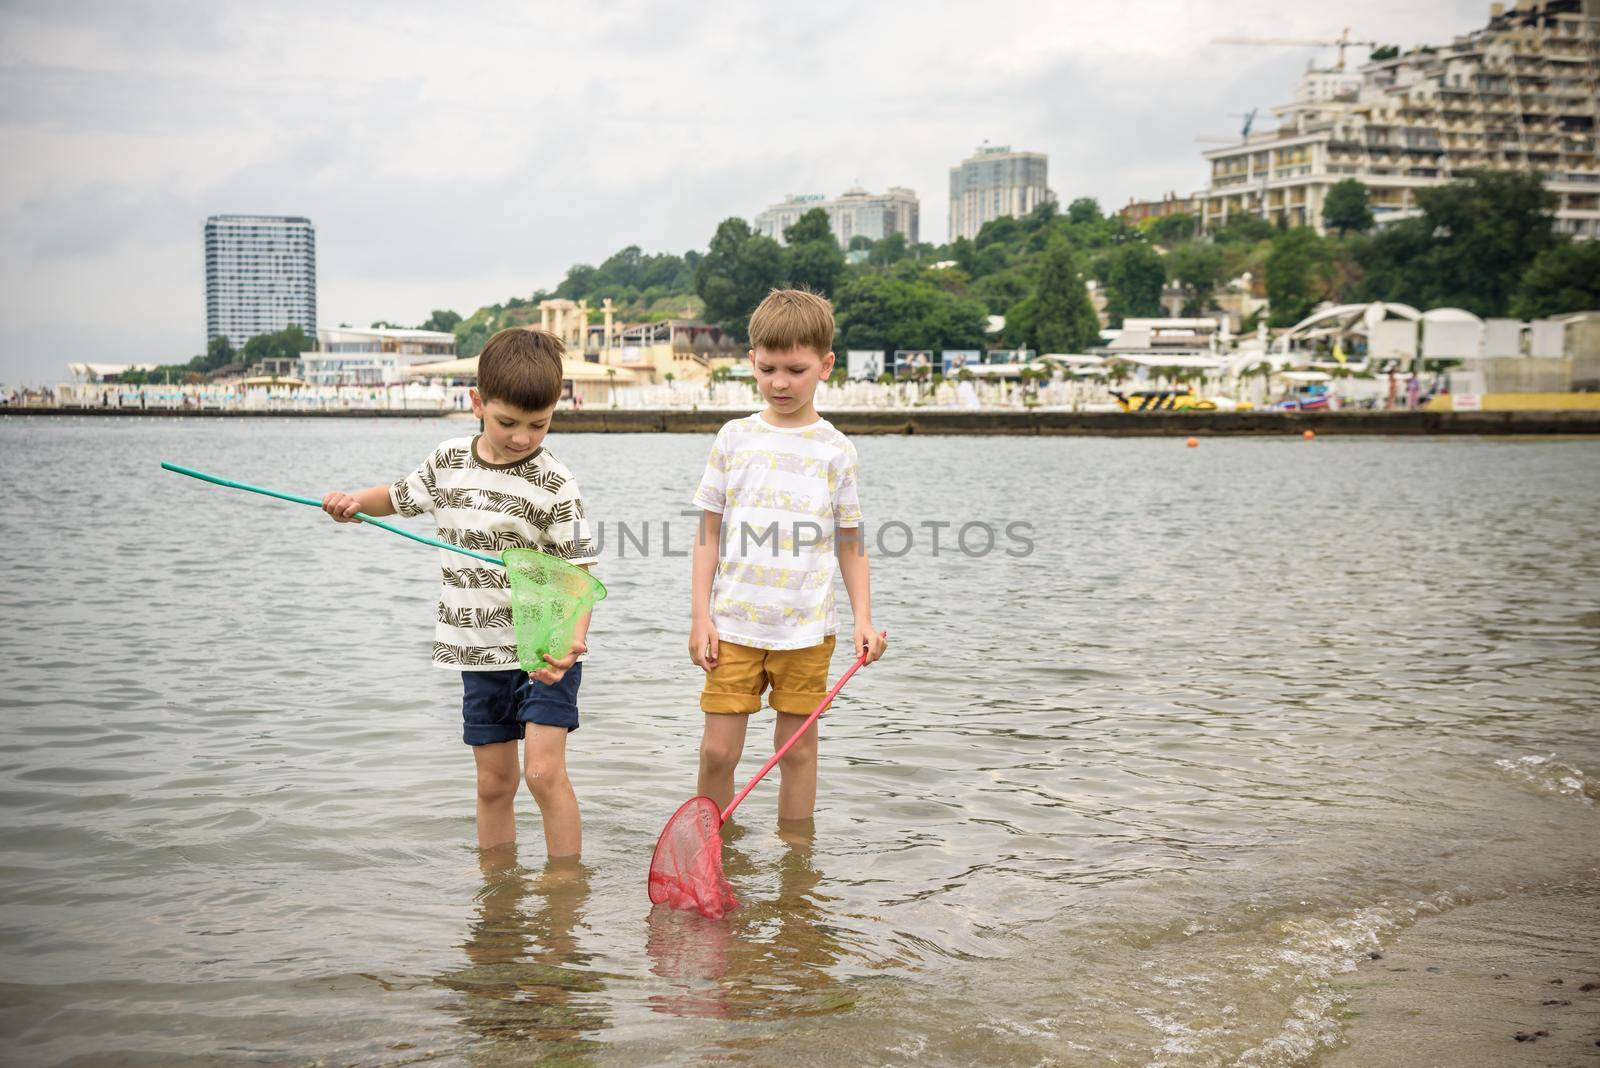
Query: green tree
x,y
1565,278
1004,230
811,226
878,312
1064,318
1296,274
219,353
813,259
580,281
1171,229
1001,291
1488,231
889,250
471,337
1473,245
1134,283
1020,320
1346,207
1042,217
285,344
1198,270
1243,229
738,270
1084,210
441,320
965,253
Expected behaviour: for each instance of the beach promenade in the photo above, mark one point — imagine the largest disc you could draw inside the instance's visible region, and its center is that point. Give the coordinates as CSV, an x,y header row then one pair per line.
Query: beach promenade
x,y
935,421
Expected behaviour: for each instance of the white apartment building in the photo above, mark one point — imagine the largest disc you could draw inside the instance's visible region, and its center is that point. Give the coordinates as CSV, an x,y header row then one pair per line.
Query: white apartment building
x,y
1523,94
375,357
856,213
996,181
261,276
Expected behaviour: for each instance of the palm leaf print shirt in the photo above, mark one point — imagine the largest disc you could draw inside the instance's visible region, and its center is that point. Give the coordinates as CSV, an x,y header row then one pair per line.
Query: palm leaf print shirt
x,y
533,504
783,492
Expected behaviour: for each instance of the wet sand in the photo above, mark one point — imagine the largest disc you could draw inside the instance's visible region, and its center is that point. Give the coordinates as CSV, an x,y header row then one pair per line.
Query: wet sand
x,y
1513,981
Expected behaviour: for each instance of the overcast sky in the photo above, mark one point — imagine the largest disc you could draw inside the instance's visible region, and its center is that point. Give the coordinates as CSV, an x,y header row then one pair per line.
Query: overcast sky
x,y
455,155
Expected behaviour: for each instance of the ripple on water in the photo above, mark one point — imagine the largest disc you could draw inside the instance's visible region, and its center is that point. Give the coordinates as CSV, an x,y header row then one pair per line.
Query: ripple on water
x,y
1137,797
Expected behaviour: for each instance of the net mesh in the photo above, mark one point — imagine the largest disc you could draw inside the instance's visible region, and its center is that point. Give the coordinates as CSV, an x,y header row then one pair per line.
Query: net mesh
x,y
548,595
686,871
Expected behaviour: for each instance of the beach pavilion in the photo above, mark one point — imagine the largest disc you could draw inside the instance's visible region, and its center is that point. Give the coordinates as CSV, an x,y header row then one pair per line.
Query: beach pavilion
x,y
582,381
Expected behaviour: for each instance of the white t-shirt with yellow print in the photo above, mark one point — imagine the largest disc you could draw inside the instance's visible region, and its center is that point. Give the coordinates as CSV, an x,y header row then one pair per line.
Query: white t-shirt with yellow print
x,y
782,492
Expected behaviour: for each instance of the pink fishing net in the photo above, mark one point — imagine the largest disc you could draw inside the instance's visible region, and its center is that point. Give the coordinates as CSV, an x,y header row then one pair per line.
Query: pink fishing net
x,y
686,871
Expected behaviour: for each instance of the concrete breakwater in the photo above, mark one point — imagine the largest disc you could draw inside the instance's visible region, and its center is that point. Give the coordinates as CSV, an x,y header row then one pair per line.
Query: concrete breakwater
x,y
946,422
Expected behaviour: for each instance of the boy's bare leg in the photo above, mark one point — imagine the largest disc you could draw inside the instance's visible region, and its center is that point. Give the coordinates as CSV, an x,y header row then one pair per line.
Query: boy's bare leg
x,y
546,770
720,746
497,793
797,786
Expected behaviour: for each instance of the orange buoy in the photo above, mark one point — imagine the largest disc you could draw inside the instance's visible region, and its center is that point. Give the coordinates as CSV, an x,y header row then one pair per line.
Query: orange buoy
x,y
1309,434
1193,443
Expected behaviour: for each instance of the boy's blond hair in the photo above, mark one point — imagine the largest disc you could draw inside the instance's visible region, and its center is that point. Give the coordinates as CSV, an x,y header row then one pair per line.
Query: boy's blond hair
x,y
793,319
522,367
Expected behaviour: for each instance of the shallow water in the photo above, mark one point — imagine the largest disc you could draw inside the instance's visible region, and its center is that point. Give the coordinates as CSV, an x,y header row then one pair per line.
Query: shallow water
x,y
1137,796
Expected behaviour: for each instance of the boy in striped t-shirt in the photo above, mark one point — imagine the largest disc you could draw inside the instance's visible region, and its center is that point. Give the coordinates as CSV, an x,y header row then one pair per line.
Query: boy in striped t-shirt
x,y
497,490
780,511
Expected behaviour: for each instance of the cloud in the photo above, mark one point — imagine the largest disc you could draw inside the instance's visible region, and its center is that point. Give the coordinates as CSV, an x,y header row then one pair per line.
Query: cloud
x,y
452,157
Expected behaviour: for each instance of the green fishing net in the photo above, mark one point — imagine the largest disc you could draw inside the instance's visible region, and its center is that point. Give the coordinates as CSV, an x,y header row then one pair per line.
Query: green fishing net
x,y
548,596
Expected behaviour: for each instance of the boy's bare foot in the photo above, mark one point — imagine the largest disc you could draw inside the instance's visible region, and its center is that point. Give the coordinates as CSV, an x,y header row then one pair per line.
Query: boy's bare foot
x,y
798,834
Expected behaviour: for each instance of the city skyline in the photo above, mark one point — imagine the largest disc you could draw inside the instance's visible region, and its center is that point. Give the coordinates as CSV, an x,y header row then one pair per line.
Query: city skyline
x,y
440,177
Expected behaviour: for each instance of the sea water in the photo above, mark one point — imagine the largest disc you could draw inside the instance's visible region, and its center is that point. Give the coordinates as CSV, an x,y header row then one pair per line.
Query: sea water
x,y
1135,784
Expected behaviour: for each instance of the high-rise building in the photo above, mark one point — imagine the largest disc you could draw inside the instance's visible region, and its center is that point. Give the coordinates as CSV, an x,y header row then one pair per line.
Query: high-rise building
x,y
857,213
261,276
996,181
1521,94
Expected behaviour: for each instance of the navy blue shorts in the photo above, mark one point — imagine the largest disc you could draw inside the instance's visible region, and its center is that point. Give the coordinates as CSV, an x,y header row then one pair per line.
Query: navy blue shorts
x,y
496,706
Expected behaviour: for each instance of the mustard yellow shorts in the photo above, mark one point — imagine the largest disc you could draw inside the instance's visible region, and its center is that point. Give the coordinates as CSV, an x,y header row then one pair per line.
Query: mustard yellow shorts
x,y
798,677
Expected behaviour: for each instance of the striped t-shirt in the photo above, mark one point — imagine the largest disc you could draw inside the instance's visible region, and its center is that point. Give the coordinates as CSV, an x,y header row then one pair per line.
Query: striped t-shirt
x,y
782,493
533,504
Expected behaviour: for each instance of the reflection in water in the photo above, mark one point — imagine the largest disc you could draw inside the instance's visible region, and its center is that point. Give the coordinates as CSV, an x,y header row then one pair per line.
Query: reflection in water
x,y
528,993
770,958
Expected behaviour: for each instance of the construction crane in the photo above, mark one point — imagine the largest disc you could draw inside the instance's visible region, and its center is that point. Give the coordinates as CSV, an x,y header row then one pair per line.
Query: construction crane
x,y
1249,118
1341,43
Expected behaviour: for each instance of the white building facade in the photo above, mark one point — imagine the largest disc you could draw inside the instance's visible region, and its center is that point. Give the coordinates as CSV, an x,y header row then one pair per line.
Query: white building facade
x,y
376,357
261,276
995,181
856,213
1521,94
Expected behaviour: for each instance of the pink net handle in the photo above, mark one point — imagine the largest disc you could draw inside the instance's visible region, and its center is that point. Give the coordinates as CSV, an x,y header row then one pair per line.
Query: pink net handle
x,y
795,737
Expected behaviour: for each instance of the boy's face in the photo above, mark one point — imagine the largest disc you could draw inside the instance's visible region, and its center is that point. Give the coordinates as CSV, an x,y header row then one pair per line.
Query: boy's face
x,y
513,433
788,378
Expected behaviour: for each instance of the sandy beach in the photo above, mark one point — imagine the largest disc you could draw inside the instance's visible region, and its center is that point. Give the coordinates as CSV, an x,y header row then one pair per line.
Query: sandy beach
x,y
1513,981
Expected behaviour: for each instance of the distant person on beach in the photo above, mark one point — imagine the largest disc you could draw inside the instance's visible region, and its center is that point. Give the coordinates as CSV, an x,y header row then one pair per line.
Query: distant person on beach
x,y
496,490
779,513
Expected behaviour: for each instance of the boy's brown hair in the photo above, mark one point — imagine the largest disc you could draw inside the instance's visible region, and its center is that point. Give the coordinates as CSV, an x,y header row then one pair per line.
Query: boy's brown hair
x,y
521,367
793,319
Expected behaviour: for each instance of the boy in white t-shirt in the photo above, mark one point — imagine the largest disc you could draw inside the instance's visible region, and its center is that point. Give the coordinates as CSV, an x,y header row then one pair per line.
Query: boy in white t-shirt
x,y
780,507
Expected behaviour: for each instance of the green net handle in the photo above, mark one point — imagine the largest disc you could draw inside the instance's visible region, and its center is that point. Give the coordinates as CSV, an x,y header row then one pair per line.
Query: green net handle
x,y
364,517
